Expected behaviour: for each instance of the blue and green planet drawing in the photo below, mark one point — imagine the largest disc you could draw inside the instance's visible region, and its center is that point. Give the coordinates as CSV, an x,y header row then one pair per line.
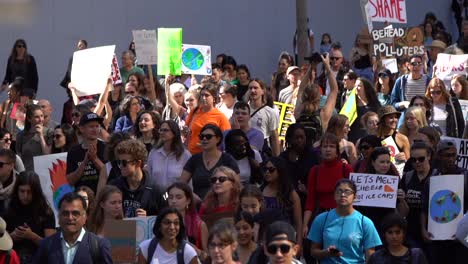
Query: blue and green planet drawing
x,y
193,59
445,206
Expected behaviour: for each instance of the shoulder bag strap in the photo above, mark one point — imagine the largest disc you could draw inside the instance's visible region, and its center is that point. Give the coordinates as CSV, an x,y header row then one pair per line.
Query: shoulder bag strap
x,y
256,111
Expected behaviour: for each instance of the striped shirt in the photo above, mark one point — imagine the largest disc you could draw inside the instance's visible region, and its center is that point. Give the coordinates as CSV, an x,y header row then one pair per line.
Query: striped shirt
x,y
415,87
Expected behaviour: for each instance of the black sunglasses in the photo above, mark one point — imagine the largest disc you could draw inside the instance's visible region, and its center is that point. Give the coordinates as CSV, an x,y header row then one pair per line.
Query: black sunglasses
x,y
20,46
335,58
383,75
221,179
3,163
436,92
6,139
123,163
268,169
57,136
418,159
273,248
415,63
76,114
207,136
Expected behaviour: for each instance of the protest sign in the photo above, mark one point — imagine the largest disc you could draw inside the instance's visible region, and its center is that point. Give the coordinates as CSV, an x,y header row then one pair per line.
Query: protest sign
x,y
170,51
390,143
52,171
464,108
391,11
211,219
349,108
406,42
462,231
196,59
126,235
145,46
367,11
375,190
90,69
462,150
390,64
286,114
448,65
116,77
445,205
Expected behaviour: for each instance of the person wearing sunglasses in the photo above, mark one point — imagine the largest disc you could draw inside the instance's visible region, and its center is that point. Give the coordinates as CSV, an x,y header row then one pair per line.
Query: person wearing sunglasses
x,y
5,143
412,185
365,147
384,86
446,110
21,64
64,138
222,199
166,160
141,196
199,168
8,177
343,235
281,244
444,251
337,70
409,85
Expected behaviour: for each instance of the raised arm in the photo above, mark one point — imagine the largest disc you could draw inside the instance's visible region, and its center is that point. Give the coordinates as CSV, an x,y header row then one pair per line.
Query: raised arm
x,y
306,79
170,97
103,98
327,110
152,89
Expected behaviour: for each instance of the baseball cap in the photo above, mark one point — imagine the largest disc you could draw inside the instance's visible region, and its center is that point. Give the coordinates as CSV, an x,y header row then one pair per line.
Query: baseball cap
x,y
292,68
438,44
445,144
280,228
5,240
88,117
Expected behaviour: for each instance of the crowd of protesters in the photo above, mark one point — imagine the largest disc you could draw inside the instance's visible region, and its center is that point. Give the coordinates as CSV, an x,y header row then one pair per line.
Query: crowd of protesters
x,y
205,157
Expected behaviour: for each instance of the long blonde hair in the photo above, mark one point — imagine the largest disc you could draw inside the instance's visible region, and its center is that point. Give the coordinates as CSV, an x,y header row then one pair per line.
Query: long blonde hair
x,y
96,219
418,114
211,199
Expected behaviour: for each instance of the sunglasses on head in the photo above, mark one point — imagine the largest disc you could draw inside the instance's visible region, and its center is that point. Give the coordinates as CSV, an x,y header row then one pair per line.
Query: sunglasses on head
x,y
418,159
207,136
268,169
123,163
415,63
273,248
220,179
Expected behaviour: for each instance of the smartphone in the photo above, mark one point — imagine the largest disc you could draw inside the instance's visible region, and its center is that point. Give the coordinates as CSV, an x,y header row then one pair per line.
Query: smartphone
x,y
334,250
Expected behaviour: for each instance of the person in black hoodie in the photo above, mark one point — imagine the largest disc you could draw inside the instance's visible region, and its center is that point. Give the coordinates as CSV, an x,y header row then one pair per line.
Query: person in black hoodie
x,y
141,197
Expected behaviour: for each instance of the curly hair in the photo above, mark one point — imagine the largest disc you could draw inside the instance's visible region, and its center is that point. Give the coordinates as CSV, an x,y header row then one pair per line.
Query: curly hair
x,y
134,148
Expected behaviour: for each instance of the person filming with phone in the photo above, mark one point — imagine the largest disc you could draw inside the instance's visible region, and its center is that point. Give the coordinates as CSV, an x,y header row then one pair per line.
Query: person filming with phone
x,y
343,235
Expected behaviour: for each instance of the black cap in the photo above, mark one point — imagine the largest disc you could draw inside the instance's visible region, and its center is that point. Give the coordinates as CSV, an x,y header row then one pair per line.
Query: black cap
x,y
28,92
88,117
280,228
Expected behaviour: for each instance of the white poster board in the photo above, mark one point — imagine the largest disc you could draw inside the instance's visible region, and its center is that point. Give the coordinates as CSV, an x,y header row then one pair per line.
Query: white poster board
x,y
91,68
368,12
146,46
391,11
464,108
52,171
448,65
392,146
390,64
445,205
462,150
375,190
196,59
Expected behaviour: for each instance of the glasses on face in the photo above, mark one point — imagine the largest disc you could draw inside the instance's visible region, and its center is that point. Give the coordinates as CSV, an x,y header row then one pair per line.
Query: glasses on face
x,y
76,114
418,159
3,163
57,136
123,163
383,75
448,155
168,222
129,92
416,63
273,248
164,130
269,169
20,46
220,179
6,139
213,245
207,136
190,100
346,192
439,92
419,105
334,58
75,214
364,146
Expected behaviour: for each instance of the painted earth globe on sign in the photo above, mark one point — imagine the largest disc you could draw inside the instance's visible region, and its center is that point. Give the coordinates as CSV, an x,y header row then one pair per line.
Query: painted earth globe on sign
x,y
445,206
192,59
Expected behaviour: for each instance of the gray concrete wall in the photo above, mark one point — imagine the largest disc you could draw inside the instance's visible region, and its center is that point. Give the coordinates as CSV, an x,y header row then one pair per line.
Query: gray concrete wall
x,y
253,31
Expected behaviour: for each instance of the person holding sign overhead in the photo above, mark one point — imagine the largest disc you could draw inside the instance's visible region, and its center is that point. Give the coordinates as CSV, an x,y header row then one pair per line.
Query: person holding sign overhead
x,y
343,234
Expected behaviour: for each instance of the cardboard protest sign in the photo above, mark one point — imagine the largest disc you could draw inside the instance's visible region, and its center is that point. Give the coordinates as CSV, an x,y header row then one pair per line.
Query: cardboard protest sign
x,y
390,64
170,51
390,143
406,42
448,65
115,72
212,218
196,59
349,108
462,150
52,171
90,69
445,205
375,190
126,235
145,46
286,114
392,11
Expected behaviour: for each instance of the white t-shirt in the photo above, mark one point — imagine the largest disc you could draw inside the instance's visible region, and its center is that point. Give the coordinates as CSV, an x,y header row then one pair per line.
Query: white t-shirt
x,y
265,120
160,256
244,167
440,117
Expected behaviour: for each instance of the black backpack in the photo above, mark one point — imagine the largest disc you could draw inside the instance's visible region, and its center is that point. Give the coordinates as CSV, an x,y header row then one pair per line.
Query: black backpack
x,y
180,250
312,123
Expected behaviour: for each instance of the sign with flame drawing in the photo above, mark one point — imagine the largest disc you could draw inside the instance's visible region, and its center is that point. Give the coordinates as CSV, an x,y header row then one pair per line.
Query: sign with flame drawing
x,y
52,171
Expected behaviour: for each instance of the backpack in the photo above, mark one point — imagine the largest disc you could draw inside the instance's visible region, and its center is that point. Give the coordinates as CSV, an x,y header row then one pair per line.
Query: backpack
x,y
154,244
312,123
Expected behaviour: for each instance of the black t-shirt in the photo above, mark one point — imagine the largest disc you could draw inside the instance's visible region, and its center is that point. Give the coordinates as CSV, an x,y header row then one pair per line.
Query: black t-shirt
x,y
23,215
201,176
241,90
91,174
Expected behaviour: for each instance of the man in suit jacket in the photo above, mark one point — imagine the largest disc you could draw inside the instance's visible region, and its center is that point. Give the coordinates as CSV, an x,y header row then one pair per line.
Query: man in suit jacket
x,y
73,244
